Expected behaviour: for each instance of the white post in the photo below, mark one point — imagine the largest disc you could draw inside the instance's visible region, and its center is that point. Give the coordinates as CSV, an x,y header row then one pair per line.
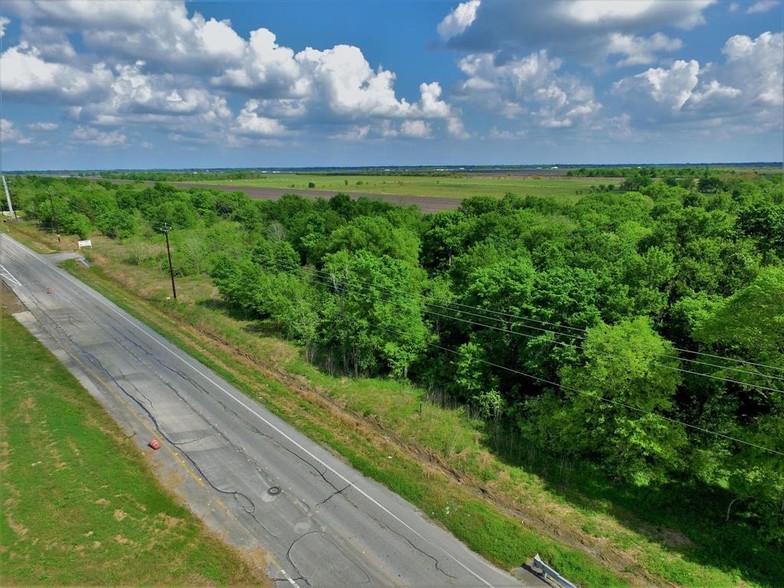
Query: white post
x,y
8,198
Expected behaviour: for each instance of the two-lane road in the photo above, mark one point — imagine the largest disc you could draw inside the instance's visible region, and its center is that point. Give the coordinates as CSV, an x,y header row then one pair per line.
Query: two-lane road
x,y
245,471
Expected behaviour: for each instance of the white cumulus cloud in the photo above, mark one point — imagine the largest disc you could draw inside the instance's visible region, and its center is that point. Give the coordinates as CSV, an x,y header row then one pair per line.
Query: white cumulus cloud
x,y
530,89
8,134
165,66
587,30
161,101
638,50
93,136
265,67
670,87
415,128
158,32
342,80
24,72
335,85
763,6
355,133
430,103
634,12
456,128
458,20
43,127
746,90
757,66
505,134
249,122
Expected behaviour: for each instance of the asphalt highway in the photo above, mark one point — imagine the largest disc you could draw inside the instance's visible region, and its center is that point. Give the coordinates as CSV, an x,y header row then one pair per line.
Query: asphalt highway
x,y
251,476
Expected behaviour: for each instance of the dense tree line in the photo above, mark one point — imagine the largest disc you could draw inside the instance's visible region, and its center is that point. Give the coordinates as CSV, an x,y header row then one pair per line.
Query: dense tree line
x,y
677,171
617,330
181,175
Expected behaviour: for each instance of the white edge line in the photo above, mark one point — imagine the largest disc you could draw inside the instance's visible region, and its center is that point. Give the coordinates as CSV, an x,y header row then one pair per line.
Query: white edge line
x,y
9,275
292,582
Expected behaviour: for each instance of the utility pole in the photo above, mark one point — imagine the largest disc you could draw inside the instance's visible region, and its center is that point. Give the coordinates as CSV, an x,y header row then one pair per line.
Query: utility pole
x,y
8,199
165,228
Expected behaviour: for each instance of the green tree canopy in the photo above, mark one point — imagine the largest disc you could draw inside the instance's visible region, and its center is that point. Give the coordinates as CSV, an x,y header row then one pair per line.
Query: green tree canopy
x,y
626,378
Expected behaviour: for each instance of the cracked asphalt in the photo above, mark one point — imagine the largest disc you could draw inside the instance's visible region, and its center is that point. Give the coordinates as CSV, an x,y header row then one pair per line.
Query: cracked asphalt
x,y
253,478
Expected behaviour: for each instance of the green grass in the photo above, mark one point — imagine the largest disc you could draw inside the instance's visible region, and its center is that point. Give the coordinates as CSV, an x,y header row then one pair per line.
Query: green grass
x,y
80,505
563,188
589,514
498,536
439,459
456,440
665,532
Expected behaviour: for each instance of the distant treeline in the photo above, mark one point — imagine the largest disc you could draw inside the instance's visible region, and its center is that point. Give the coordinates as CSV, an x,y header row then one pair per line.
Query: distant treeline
x,y
180,176
666,172
670,173
615,331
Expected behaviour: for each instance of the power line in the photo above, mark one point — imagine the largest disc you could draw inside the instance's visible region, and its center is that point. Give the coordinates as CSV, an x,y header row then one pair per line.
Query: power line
x,y
584,331
582,348
604,399
623,404
581,330
738,370
729,380
692,372
328,277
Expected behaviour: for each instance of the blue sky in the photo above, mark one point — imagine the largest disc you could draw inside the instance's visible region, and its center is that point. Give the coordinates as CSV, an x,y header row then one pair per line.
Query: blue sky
x,y
89,84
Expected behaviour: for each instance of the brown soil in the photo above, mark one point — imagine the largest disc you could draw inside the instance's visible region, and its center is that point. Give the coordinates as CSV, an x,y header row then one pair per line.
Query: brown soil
x,y
426,204
9,303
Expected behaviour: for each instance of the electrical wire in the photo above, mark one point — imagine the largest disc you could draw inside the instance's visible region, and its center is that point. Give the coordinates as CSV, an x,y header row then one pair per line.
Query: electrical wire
x,y
328,278
582,338
584,331
678,369
675,357
581,330
509,331
623,404
604,399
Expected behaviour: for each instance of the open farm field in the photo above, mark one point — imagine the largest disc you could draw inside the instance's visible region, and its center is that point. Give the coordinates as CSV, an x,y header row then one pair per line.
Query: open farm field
x,y
80,505
426,204
463,186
